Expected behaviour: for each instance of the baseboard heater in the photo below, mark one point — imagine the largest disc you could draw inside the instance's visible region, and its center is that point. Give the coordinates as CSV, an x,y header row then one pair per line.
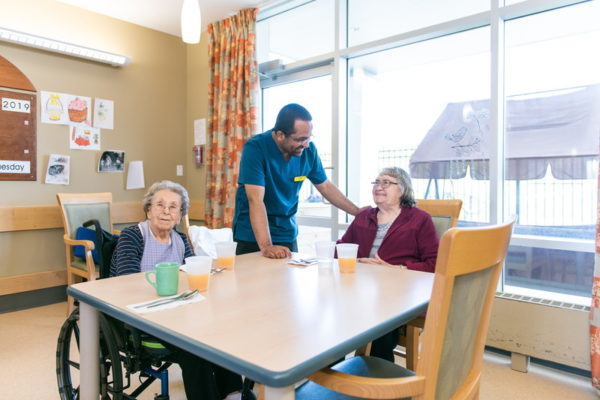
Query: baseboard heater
x,y
548,330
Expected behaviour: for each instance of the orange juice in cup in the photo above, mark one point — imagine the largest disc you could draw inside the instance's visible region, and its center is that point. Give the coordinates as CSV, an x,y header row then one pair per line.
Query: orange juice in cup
x,y
198,272
226,262
347,257
198,281
347,265
225,254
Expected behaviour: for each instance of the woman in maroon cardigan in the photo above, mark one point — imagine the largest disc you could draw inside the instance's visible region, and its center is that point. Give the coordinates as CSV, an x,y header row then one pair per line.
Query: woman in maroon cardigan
x,y
395,233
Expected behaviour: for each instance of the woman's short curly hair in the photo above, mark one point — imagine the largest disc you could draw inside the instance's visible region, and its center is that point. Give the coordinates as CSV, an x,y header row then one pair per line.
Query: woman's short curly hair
x,y
408,194
173,187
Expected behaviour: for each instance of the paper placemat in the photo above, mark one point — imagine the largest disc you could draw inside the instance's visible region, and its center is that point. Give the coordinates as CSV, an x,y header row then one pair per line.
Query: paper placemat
x,y
145,310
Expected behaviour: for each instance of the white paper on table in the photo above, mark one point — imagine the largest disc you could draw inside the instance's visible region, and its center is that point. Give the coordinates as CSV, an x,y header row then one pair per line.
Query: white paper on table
x,y
302,260
135,175
145,310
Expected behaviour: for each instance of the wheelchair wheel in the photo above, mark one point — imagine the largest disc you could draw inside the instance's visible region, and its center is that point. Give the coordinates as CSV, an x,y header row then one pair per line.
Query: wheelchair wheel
x,y
67,361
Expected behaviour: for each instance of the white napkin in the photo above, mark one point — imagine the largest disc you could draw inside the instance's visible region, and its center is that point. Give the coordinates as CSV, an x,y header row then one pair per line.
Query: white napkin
x,y
145,310
204,239
302,262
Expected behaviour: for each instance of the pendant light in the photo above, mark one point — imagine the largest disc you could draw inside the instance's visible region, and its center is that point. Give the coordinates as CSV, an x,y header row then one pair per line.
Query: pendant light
x,y
190,21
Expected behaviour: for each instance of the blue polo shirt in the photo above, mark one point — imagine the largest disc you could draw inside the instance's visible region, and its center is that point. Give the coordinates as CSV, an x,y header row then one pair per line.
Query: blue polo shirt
x,y
263,164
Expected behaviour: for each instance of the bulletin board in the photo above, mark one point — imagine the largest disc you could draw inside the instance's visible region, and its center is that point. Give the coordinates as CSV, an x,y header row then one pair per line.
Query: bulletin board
x,y
18,111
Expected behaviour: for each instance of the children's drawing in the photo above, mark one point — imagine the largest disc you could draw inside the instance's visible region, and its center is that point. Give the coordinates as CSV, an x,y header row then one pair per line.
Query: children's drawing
x,y
83,137
79,110
104,111
54,107
64,109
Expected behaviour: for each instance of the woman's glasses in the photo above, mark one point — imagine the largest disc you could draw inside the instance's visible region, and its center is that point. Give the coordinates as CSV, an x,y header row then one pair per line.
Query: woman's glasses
x,y
169,208
383,184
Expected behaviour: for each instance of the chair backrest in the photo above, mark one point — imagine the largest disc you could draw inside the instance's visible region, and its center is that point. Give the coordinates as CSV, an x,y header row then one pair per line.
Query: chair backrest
x,y
185,227
444,213
466,275
77,208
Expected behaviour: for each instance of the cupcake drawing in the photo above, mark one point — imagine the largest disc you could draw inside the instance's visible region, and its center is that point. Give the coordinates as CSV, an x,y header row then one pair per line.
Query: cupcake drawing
x,y
54,107
78,110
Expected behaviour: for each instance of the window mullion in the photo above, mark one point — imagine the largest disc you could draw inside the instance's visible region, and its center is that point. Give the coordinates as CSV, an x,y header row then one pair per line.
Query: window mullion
x,y
497,115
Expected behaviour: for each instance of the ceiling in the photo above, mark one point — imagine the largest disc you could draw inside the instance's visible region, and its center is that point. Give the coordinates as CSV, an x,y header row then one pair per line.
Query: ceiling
x,y
163,15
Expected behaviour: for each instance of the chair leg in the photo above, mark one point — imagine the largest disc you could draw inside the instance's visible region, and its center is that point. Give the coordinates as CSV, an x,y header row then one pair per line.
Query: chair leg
x,y
364,350
260,388
412,347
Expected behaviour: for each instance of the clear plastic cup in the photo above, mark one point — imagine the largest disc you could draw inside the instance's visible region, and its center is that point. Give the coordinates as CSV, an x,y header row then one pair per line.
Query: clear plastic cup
x,y
198,272
346,253
225,254
325,252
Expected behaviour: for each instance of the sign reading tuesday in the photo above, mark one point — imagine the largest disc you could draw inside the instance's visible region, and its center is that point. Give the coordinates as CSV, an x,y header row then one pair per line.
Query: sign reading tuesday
x,y
14,167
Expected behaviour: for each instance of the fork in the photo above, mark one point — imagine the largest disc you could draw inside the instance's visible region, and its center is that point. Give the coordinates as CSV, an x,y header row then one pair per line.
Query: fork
x,y
160,301
186,295
306,261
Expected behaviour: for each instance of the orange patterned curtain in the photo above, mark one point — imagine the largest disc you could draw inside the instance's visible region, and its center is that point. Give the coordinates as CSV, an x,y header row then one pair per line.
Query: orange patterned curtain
x,y
232,101
595,309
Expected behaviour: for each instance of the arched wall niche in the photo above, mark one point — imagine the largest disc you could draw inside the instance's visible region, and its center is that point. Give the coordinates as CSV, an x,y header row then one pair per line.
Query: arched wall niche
x,y
18,113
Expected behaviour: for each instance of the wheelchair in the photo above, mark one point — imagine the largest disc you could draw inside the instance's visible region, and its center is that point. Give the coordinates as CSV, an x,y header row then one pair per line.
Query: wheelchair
x,y
124,352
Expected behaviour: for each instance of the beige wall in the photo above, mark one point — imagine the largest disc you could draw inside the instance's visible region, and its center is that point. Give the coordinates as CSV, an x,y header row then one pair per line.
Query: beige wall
x,y
197,107
156,97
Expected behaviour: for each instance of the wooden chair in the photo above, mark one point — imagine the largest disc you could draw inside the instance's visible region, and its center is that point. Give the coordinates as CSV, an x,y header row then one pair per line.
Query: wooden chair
x,y
445,215
467,271
77,208
185,227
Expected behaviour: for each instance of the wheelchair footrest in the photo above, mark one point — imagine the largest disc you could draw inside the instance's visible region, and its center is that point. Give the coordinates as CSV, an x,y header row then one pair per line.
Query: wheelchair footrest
x,y
161,373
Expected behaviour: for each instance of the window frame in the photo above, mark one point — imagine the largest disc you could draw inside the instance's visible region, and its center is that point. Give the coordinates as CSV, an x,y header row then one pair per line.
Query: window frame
x,y
337,63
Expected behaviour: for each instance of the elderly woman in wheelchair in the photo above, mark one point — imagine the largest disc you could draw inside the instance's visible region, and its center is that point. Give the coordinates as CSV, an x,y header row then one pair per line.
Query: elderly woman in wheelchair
x,y
139,248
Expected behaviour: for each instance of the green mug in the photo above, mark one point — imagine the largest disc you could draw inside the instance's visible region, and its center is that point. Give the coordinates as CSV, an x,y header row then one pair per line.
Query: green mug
x,y
167,278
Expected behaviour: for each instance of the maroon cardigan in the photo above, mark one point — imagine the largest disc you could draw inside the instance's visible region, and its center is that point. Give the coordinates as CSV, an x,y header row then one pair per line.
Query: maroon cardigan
x,y
411,240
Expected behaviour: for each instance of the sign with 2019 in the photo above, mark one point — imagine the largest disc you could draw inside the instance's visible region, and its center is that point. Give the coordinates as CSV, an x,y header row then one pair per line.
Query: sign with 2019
x,y
15,105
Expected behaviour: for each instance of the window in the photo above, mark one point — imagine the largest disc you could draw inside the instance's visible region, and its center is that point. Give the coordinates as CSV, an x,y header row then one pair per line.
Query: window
x,y
304,31
410,85
370,20
551,136
399,104
314,94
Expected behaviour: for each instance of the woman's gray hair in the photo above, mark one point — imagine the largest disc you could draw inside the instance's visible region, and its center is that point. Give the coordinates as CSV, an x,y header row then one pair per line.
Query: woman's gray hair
x,y
173,187
408,194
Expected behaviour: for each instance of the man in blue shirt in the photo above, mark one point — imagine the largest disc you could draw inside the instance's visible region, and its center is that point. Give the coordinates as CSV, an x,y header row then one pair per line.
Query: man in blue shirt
x,y
273,167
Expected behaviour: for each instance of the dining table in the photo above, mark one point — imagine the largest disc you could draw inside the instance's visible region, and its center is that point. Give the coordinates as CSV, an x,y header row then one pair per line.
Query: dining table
x,y
268,320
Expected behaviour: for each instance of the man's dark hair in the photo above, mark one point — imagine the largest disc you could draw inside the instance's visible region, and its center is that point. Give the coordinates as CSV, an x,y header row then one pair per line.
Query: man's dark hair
x,y
287,117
